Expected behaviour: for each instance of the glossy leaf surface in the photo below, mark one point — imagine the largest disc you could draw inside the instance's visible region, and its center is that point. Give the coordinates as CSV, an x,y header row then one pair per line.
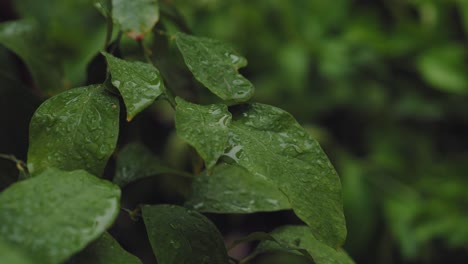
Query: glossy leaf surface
x,y
23,38
105,250
74,130
269,143
135,162
139,83
203,127
57,213
179,235
232,189
301,239
215,65
136,17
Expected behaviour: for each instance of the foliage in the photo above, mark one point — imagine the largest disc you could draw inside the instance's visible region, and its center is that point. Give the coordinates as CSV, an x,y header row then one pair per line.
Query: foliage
x,y
62,205
383,86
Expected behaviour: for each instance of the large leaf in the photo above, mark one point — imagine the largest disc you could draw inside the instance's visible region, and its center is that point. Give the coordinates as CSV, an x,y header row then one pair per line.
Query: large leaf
x,y
232,189
199,124
56,214
76,129
136,17
301,240
23,38
215,65
270,144
105,250
139,83
179,235
135,162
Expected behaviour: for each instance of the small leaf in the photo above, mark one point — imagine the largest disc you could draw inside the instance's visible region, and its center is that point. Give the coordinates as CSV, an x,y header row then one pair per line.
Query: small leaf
x,y
105,250
199,124
232,189
56,214
215,65
179,235
139,83
270,144
136,17
76,129
23,38
445,68
135,162
301,239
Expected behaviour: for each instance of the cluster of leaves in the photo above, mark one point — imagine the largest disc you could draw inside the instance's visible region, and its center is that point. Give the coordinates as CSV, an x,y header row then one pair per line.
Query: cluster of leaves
x,y
257,158
386,82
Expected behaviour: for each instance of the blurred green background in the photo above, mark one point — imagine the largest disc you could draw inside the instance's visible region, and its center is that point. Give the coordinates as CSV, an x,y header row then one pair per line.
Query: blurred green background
x,y
381,84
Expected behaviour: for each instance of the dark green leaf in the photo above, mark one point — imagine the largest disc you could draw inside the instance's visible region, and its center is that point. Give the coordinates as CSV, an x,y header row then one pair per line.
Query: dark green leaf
x,y
76,129
105,250
135,162
136,17
72,29
215,65
199,124
179,235
301,239
23,38
269,143
139,83
56,214
232,189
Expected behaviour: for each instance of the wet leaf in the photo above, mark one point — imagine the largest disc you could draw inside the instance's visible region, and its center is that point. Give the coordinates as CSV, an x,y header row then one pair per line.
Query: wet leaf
x,y
74,130
301,240
57,213
23,38
232,189
139,83
105,250
135,162
215,65
179,235
136,17
203,127
270,144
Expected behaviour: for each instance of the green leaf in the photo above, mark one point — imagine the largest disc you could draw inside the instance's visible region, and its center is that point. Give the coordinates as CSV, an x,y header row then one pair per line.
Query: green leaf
x,y
11,255
136,17
76,129
135,162
215,65
301,239
105,250
269,143
56,214
445,68
199,124
24,38
72,29
179,235
139,83
232,189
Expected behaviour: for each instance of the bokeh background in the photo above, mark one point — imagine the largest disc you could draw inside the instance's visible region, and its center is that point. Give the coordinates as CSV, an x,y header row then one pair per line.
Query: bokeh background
x,y
381,84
